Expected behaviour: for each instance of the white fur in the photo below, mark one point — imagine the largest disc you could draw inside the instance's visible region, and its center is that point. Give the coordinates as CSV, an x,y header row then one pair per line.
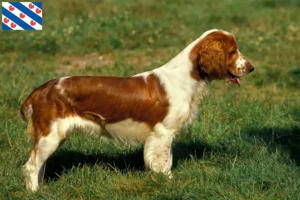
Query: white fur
x,y
28,111
241,63
128,131
33,170
59,87
65,125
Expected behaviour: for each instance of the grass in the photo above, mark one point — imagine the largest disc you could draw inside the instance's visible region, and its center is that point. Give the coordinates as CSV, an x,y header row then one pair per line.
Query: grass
x,y
244,145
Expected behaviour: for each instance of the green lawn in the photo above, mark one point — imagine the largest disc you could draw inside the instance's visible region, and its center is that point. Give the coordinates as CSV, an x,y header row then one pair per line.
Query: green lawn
x,y
244,145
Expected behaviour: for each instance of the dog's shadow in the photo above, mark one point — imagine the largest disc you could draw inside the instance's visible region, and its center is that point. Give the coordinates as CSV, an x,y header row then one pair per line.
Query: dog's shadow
x,y
64,160
288,139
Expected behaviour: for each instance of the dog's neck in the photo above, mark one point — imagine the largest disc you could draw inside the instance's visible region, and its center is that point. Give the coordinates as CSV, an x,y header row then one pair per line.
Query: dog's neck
x,y
184,91
181,67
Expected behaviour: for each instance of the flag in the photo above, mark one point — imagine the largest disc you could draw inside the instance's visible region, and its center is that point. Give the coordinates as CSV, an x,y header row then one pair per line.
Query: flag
x,y
22,16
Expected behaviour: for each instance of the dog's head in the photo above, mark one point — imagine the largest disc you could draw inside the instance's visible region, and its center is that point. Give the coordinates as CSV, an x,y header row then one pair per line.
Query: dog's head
x,y
216,56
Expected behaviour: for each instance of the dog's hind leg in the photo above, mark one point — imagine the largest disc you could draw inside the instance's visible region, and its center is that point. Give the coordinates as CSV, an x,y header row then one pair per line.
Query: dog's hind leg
x,y
44,146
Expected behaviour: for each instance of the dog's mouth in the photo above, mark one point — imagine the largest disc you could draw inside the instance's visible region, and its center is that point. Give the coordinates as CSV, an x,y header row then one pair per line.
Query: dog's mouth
x,y
233,78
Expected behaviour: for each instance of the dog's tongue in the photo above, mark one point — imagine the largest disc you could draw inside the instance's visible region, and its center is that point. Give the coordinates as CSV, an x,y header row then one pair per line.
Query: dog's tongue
x,y
238,81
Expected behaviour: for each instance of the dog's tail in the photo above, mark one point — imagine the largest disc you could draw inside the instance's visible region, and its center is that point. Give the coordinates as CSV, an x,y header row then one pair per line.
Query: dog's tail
x,y
26,111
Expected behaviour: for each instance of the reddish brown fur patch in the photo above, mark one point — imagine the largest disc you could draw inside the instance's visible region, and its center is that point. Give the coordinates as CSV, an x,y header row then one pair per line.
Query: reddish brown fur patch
x,y
100,99
210,55
117,99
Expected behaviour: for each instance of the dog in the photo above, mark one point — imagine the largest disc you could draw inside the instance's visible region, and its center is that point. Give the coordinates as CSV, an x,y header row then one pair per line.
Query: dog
x,y
150,108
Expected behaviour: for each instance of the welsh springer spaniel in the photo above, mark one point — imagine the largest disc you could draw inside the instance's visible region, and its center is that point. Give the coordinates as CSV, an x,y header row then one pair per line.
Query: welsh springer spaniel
x,y
150,107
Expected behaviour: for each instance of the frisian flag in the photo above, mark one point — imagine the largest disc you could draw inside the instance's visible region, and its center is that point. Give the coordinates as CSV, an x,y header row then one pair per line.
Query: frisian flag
x,y
22,16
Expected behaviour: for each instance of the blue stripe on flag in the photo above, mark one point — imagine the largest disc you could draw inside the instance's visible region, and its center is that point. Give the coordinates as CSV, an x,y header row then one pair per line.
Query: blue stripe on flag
x,y
5,27
27,12
38,4
15,19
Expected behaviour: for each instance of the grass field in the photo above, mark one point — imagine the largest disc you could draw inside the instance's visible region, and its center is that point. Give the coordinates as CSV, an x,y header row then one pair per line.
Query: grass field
x,y
244,145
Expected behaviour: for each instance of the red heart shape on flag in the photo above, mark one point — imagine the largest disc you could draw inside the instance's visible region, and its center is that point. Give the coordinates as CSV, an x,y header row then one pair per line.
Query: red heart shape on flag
x,y
31,6
13,25
6,20
11,8
38,11
32,23
22,15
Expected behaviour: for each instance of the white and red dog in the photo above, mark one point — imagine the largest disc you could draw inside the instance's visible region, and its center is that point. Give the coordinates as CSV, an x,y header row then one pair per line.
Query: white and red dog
x,y
150,107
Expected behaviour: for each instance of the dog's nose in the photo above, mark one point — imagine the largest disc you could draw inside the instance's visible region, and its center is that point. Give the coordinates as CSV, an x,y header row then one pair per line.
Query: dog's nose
x,y
251,68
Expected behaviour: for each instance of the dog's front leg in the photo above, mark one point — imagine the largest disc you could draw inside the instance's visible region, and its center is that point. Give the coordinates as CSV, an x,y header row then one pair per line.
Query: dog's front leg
x,y
158,152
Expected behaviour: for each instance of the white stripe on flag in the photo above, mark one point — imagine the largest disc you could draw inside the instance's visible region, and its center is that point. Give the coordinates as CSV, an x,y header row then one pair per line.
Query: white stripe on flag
x,y
9,24
26,4
26,19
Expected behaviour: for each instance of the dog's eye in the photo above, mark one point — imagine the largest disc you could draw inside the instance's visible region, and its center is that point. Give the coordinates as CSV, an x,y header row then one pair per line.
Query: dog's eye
x,y
232,52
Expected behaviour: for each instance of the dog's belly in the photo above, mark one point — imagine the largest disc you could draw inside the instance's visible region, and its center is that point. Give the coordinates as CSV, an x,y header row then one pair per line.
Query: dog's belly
x,y
128,131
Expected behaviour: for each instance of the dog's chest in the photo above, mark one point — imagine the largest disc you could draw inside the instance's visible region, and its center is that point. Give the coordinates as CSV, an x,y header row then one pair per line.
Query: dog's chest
x,y
184,107
197,97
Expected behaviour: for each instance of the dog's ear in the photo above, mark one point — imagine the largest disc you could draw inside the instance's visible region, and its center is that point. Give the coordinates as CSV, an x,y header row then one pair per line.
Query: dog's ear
x,y
209,58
